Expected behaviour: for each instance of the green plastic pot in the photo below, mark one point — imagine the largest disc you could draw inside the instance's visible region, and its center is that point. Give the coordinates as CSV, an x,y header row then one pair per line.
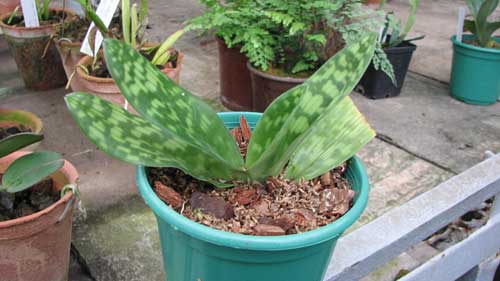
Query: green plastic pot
x,y
193,252
475,73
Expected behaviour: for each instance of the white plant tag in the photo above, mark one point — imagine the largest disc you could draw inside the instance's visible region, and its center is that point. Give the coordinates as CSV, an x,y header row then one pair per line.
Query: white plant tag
x,y
105,11
30,13
460,23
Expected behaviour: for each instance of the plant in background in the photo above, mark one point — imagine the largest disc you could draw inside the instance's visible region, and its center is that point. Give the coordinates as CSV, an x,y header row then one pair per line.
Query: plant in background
x,y
287,36
134,23
393,27
29,169
306,131
479,26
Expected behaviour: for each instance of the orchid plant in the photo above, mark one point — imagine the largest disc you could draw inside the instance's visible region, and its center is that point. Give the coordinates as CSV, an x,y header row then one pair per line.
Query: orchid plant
x,y
307,131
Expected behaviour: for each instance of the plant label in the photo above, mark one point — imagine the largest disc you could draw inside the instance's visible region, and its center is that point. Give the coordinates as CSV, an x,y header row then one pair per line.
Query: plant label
x,y
460,23
30,13
105,11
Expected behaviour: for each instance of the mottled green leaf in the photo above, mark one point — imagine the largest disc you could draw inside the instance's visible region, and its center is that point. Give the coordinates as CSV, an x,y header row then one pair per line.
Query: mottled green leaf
x,y
135,140
278,136
30,169
18,141
161,101
334,139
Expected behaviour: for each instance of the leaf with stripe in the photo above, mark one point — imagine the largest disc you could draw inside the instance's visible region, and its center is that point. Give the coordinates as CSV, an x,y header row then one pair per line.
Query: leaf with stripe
x,y
161,101
135,140
279,136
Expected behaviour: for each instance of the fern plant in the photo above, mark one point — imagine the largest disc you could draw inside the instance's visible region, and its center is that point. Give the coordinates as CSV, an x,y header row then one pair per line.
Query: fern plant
x,y
480,27
306,131
292,36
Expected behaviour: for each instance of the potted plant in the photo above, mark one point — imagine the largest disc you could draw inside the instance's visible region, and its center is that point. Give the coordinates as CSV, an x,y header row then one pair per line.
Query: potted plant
x,y
19,121
92,72
35,54
68,42
287,176
230,21
476,59
286,41
386,80
37,196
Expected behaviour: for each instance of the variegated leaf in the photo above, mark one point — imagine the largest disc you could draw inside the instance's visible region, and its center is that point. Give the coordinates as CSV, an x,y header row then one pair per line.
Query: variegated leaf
x,y
161,101
135,140
333,140
277,136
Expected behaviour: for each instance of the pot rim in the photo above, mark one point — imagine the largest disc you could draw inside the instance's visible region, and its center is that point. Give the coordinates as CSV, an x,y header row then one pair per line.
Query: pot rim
x,y
41,27
270,76
86,60
36,120
68,170
453,39
249,242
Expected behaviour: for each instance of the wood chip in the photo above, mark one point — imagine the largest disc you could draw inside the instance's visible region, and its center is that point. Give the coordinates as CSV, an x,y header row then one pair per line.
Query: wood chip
x,y
168,195
268,230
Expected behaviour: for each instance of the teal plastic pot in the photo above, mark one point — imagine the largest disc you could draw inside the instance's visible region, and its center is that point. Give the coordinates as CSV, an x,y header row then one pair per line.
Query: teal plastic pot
x,y
194,252
475,73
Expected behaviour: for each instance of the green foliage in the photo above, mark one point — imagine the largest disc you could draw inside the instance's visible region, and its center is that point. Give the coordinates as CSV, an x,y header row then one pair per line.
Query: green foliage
x,y
295,36
314,126
393,26
134,21
480,26
18,141
29,170
162,55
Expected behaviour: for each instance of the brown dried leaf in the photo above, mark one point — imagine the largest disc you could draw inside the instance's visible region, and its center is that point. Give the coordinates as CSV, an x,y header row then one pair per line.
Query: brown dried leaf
x,y
245,129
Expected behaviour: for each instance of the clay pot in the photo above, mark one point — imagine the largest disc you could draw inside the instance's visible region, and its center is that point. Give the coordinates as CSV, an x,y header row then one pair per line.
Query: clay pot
x,y
40,70
235,83
267,87
371,2
70,56
7,6
107,89
11,117
37,247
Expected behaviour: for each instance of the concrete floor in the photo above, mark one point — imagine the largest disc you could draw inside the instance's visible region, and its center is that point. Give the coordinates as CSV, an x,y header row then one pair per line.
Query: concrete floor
x,y
424,137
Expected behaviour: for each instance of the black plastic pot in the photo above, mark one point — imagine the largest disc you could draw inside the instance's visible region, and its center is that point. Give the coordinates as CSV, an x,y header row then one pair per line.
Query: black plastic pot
x,y
375,84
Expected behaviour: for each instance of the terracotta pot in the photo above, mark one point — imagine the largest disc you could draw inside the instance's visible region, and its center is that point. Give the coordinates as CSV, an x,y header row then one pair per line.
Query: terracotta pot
x,y
235,83
7,6
267,87
37,247
40,70
107,89
11,117
70,56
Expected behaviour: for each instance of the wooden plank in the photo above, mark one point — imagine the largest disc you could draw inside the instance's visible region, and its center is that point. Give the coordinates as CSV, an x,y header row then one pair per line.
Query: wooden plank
x,y
363,250
460,258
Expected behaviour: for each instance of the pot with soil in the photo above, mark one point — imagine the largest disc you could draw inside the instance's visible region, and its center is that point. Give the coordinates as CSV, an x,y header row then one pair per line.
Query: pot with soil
x,y
19,121
194,250
100,83
235,83
35,231
475,75
266,87
376,84
68,46
34,52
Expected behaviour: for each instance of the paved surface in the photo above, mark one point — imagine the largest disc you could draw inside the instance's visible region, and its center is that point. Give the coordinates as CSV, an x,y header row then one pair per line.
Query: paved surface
x,y
424,138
